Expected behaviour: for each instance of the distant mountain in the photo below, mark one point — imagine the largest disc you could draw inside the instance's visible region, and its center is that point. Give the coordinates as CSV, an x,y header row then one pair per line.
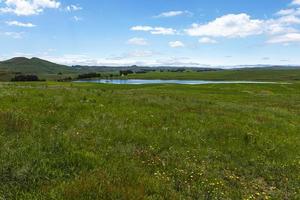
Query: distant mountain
x,y
33,66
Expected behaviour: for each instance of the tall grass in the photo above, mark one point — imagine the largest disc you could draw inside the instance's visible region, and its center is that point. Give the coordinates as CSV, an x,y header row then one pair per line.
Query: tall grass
x,y
89,141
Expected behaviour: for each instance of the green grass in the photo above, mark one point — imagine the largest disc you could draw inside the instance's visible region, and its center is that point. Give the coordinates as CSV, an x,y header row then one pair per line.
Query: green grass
x,y
264,74
89,141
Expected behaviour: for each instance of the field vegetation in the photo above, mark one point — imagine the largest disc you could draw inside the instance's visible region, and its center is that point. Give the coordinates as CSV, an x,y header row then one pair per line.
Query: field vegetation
x,y
94,141
252,74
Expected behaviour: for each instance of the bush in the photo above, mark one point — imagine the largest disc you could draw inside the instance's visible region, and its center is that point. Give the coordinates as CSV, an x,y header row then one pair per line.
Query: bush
x,y
24,78
89,75
66,79
125,72
177,70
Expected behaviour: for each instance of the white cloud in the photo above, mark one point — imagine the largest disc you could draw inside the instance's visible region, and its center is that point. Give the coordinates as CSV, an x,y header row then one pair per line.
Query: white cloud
x,y
291,11
285,39
173,14
296,2
155,30
163,31
77,19
284,24
71,8
242,25
176,44
141,28
288,20
28,7
231,26
137,41
207,40
272,27
14,35
21,24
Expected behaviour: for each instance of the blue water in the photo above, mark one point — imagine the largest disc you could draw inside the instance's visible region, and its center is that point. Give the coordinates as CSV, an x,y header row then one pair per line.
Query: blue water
x,y
187,82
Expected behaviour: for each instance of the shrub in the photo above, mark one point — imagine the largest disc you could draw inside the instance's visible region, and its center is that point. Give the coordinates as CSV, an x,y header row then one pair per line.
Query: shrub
x,y
125,72
89,75
66,79
24,78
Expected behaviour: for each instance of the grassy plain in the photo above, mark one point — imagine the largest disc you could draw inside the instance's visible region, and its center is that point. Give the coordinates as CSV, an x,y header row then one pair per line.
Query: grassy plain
x,y
91,141
256,74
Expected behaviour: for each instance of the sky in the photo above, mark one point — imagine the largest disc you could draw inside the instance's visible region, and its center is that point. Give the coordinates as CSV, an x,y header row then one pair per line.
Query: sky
x,y
152,32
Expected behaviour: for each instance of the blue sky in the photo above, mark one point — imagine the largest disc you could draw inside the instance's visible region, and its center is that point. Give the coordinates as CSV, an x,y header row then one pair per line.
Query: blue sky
x,y
156,32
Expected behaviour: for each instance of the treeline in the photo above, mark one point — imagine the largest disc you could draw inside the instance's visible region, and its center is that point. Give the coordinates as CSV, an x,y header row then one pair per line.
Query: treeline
x,y
173,70
95,75
86,76
127,72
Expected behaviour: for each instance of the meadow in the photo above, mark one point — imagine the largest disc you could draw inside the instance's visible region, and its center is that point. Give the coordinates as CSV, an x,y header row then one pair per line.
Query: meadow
x,y
250,74
94,141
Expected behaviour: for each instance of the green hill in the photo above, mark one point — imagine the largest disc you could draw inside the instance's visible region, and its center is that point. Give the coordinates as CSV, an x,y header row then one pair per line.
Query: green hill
x,y
33,65
42,68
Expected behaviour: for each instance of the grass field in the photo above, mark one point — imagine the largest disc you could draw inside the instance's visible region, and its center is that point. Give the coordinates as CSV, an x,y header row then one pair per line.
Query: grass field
x,y
264,74
89,141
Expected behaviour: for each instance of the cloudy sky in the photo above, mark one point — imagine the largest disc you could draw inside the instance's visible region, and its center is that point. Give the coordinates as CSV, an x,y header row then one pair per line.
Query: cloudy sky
x,y
156,32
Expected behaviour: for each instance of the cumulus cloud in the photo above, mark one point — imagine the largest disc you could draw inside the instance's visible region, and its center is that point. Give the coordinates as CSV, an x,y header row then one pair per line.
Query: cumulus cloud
x,y
207,40
20,24
137,41
173,14
296,2
273,27
176,44
285,25
285,39
155,30
231,26
28,7
291,11
289,19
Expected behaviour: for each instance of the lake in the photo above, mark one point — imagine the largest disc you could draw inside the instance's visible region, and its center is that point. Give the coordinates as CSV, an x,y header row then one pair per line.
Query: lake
x,y
187,82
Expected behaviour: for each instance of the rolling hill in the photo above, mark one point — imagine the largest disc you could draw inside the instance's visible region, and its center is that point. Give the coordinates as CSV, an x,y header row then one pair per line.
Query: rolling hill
x,y
33,66
43,68
52,71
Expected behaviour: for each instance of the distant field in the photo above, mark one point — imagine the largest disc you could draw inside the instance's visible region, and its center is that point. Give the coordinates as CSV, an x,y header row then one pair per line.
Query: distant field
x,y
241,75
49,71
89,141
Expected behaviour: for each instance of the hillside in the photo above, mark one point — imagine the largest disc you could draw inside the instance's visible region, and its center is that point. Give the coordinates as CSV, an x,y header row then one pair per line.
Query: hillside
x,y
33,66
44,69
